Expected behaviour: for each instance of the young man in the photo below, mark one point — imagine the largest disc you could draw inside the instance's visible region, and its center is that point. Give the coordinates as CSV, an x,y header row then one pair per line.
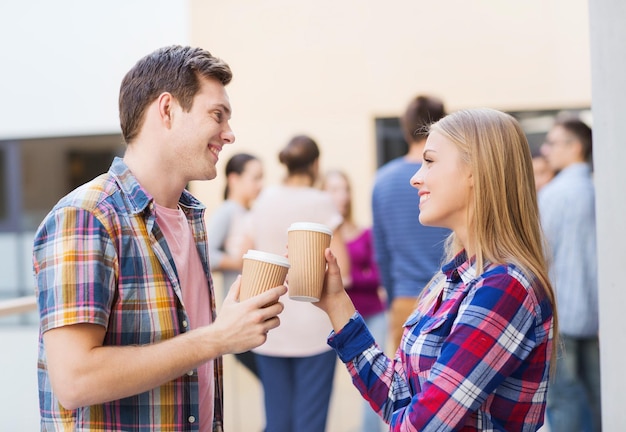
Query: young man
x,y
567,210
129,339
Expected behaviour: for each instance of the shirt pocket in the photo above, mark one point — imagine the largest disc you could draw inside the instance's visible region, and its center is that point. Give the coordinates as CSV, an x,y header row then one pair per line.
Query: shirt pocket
x,y
430,335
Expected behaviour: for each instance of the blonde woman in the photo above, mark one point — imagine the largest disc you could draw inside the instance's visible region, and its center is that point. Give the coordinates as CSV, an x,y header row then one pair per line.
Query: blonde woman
x,y
476,352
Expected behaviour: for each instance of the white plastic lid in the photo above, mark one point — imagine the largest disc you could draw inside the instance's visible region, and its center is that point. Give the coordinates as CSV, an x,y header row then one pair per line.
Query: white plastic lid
x,y
266,257
310,226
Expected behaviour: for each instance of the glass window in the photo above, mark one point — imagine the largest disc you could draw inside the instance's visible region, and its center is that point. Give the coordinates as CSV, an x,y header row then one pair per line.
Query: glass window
x,y
4,181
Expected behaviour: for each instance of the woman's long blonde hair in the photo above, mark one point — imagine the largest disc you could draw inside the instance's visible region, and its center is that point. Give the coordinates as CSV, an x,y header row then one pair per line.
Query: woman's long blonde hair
x,y
504,217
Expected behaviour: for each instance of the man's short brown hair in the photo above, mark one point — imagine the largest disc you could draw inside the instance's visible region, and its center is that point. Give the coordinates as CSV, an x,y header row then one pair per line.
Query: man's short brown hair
x,y
174,69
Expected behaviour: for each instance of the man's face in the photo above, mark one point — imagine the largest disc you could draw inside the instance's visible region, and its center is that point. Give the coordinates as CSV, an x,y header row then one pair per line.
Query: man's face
x,y
199,135
560,148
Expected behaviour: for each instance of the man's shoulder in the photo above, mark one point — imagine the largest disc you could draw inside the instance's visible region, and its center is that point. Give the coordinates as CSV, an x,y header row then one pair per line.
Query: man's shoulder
x,y
393,166
90,195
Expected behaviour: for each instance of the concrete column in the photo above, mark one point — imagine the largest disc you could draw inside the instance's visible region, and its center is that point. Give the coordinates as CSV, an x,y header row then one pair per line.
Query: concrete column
x,y
608,71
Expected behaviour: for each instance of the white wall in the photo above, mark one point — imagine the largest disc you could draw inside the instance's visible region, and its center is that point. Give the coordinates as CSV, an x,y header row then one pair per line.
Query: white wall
x,y
608,43
63,60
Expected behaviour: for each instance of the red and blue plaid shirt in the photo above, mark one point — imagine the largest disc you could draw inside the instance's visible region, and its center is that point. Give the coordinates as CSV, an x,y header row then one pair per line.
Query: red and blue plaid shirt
x,y
477,360
100,258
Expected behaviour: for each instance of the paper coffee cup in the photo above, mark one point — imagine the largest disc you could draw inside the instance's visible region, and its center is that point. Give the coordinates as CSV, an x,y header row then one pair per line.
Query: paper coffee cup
x,y
306,244
261,271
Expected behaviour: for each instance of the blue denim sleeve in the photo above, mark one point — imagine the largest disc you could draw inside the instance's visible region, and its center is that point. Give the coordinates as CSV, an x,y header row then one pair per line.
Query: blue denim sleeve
x,y
352,339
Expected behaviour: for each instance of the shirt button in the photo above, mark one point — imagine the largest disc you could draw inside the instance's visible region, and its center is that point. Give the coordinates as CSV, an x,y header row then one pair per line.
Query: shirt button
x,y
191,419
190,373
185,323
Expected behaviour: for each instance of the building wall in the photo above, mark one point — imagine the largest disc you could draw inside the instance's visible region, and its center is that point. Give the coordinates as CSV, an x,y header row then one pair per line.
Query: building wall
x,y
63,60
62,64
329,68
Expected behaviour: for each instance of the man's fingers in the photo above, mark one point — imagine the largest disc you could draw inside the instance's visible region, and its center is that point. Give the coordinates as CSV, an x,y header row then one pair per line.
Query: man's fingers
x,y
233,292
270,296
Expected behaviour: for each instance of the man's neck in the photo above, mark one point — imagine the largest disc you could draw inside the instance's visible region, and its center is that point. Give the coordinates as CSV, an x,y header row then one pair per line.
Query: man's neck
x,y
416,151
152,177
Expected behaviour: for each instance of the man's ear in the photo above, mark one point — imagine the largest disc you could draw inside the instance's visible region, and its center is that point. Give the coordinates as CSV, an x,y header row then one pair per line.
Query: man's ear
x,y
165,103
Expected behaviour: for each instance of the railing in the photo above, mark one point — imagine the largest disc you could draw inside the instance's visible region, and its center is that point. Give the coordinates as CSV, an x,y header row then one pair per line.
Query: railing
x,y
18,305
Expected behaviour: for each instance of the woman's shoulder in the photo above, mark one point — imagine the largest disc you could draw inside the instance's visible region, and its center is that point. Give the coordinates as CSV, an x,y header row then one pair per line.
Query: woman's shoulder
x,y
511,284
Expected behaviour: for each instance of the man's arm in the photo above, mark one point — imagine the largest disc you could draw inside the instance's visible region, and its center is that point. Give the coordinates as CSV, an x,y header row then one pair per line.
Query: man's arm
x,y
84,372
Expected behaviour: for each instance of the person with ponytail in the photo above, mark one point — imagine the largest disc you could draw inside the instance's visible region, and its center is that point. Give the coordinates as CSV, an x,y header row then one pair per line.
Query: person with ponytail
x,y
476,352
244,181
296,366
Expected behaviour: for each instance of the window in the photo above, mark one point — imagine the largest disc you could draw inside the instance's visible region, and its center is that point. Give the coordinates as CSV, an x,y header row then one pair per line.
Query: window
x,y
390,142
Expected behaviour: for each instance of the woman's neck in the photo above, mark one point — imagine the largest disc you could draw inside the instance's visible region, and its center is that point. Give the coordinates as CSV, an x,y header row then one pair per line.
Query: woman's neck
x,y
299,180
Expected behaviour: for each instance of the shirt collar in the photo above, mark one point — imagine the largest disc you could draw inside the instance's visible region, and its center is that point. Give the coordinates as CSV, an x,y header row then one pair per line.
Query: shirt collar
x,y
575,170
138,198
460,268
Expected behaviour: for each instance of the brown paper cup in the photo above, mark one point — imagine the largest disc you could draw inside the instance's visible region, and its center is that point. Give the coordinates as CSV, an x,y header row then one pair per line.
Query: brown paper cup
x,y
306,243
261,271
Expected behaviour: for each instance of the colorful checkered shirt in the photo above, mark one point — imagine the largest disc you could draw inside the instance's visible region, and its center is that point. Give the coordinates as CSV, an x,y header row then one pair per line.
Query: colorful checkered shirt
x,y
100,258
477,360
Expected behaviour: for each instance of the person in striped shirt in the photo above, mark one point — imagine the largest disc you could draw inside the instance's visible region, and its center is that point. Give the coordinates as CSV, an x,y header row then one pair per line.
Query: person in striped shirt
x,y
129,339
476,351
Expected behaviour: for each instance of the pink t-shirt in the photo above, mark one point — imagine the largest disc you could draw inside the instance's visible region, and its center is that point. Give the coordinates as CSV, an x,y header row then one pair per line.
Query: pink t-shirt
x,y
194,287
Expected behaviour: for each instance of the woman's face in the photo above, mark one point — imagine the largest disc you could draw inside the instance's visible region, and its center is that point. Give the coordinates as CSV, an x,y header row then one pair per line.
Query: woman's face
x,y
338,189
445,185
250,181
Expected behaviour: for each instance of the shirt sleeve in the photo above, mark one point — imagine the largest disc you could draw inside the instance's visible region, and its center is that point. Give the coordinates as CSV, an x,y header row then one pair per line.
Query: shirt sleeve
x,y
74,262
381,381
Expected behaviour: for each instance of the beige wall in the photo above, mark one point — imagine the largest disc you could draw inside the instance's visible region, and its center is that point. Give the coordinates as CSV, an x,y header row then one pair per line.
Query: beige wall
x,y
328,68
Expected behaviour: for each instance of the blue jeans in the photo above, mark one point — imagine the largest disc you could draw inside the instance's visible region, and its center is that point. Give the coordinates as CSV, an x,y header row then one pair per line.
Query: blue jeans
x,y
573,403
297,391
378,327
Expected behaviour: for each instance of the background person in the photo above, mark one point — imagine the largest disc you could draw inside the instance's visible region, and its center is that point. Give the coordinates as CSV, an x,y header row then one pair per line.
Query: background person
x,y
365,291
407,253
129,339
295,364
477,349
567,209
542,171
244,180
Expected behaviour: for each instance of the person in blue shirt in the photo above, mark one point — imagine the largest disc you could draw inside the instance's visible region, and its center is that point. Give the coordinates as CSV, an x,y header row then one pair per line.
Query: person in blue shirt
x,y
407,252
567,210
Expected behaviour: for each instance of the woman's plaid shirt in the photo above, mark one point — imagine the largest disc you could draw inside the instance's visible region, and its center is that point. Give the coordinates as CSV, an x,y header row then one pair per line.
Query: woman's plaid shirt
x,y
477,360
